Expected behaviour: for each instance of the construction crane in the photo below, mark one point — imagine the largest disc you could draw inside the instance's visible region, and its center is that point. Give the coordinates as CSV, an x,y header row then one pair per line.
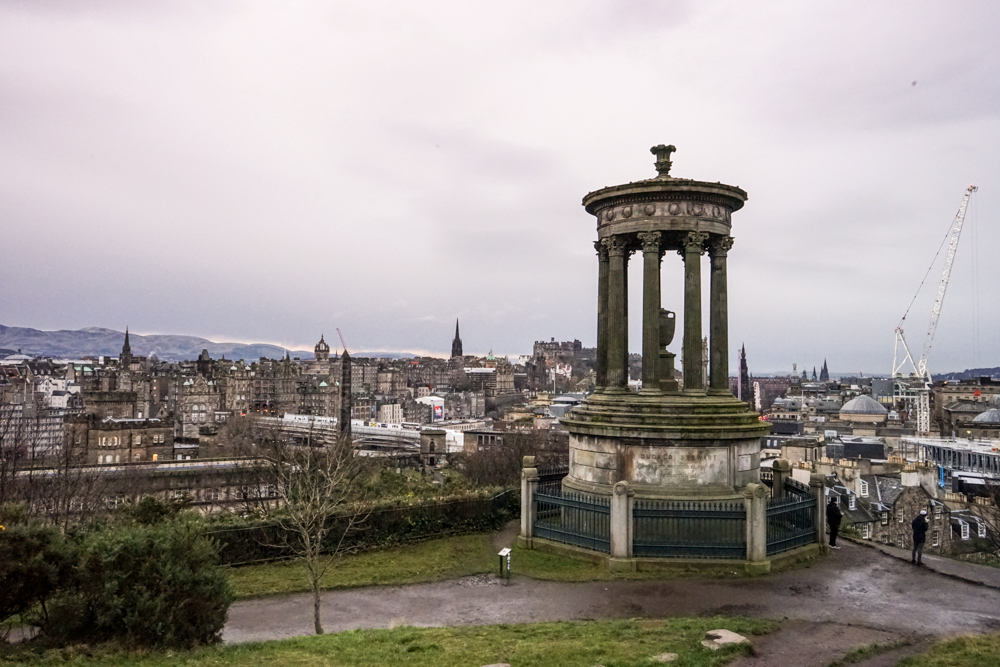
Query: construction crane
x,y
920,395
341,338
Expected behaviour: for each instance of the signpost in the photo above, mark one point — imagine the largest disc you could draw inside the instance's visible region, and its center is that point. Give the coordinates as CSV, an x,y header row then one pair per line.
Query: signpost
x,y
504,556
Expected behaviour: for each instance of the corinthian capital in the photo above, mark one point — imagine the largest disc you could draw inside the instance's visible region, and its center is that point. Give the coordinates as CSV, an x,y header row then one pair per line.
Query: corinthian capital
x,y
693,242
720,246
615,246
602,251
650,241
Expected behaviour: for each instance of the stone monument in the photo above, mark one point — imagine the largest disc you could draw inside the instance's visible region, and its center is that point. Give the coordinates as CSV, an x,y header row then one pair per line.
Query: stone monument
x,y
695,441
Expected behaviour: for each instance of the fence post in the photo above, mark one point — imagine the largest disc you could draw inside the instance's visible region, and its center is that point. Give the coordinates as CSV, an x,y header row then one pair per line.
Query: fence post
x,y
782,471
621,528
755,497
529,484
817,484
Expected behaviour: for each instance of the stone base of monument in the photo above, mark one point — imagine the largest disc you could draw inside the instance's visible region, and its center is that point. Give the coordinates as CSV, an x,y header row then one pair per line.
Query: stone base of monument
x,y
667,446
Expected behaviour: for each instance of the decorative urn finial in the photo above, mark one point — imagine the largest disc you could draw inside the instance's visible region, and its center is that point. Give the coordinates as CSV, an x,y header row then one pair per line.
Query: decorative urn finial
x,y
663,161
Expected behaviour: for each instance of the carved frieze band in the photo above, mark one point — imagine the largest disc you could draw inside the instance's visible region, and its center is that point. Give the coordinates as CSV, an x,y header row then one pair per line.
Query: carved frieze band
x,y
671,208
650,241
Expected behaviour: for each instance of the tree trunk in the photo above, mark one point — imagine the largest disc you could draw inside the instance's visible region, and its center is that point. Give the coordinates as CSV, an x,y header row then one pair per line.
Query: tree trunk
x,y
316,602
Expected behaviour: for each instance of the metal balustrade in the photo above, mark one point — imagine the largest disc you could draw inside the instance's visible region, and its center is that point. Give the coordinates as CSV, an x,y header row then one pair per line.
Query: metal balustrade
x,y
573,518
689,529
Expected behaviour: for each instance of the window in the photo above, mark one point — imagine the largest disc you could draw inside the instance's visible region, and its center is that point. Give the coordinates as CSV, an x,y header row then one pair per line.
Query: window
x,y
937,510
137,440
866,531
852,502
899,542
981,529
965,531
899,514
885,518
864,489
936,538
155,457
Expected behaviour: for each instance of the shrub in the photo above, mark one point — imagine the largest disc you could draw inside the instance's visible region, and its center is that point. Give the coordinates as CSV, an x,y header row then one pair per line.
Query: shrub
x,y
36,562
144,585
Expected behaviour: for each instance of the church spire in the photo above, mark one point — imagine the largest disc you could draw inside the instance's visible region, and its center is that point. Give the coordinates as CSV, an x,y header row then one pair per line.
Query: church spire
x,y
456,345
824,375
126,356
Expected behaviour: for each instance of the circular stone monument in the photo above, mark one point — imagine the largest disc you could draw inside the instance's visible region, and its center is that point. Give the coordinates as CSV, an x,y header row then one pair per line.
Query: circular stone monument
x,y
689,441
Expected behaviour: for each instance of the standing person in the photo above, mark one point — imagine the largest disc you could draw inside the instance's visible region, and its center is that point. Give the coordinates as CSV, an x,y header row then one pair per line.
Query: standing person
x,y
919,537
833,517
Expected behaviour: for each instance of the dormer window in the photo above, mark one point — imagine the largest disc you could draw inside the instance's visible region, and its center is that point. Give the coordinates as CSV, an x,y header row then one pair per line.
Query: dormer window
x,y
981,529
965,531
864,489
852,502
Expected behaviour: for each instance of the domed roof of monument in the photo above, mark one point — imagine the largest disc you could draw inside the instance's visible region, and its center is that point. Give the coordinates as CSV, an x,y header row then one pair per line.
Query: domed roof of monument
x,y
864,405
991,416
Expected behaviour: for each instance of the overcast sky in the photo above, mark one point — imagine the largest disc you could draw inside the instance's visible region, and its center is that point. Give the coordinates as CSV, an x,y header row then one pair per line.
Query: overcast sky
x,y
269,171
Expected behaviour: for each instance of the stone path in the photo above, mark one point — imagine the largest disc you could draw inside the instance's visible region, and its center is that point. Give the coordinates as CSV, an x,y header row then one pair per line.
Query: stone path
x,y
855,596
974,573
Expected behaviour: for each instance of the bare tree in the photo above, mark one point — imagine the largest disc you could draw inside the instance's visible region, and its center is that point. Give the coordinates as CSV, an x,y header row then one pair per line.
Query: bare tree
x,y
319,489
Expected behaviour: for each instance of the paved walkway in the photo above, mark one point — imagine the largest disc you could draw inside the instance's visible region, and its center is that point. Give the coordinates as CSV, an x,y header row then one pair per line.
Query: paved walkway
x,y
855,586
974,573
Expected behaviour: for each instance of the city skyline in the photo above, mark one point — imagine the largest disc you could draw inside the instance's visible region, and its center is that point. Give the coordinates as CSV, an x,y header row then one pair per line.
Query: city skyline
x,y
246,174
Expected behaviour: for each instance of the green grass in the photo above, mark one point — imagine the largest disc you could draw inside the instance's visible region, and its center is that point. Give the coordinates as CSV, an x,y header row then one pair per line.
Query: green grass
x,y
970,651
433,560
629,643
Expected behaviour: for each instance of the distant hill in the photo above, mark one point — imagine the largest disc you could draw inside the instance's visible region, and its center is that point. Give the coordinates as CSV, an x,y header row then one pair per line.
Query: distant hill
x,y
969,374
95,341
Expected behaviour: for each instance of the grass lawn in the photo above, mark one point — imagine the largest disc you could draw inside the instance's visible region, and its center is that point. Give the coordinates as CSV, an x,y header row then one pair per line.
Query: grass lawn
x,y
610,643
971,651
433,560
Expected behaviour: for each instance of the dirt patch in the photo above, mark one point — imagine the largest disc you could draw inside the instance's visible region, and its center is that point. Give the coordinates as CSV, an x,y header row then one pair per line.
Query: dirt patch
x,y
807,644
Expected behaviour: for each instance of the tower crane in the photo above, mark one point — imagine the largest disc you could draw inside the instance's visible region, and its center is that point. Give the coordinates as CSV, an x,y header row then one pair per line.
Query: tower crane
x,y
901,352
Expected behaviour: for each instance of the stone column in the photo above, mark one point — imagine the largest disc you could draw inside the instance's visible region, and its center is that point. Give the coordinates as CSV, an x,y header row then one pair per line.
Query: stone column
x,y
651,312
602,315
817,484
617,333
719,317
621,523
529,484
755,497
691,251
782,471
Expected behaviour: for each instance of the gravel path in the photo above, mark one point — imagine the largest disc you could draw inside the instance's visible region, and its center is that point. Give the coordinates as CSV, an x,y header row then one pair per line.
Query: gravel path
x,y
853,587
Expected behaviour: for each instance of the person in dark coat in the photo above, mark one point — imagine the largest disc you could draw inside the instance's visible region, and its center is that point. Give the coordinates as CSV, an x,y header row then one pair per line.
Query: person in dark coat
x,y
833,517
919,537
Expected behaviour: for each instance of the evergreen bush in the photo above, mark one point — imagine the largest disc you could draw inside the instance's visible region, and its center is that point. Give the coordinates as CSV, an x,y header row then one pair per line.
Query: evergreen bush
x,y
144,585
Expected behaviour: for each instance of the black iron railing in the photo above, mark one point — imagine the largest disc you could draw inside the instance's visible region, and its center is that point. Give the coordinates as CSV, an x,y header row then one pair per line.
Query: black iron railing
x,y
689,529
573,518
790,521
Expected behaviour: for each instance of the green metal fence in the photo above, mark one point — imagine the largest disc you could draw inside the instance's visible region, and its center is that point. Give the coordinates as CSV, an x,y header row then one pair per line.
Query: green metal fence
x,y
573,518
791,519
689,529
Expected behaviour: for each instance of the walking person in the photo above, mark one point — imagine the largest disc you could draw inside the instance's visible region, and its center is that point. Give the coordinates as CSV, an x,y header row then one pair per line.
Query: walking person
x,y
919,537
833,517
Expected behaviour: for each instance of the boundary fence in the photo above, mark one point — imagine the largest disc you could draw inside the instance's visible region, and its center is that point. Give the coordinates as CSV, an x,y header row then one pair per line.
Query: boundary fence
x,y
790,519
681,529
573,518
